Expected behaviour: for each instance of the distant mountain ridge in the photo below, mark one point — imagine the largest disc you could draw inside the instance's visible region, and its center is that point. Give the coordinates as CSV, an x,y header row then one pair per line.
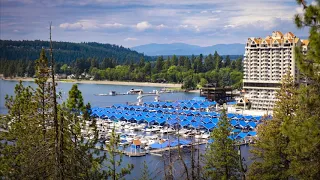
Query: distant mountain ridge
x,y
67,51
155,49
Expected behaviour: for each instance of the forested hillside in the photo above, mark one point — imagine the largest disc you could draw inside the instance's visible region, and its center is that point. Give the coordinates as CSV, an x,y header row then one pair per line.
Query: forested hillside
x,y
67,51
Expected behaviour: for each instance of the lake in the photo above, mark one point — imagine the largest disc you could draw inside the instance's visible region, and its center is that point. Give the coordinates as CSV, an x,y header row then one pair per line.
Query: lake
x,y
155,163
88,91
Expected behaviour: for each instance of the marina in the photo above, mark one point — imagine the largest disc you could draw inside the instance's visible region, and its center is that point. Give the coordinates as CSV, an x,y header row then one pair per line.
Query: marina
x,y
153,159
154,127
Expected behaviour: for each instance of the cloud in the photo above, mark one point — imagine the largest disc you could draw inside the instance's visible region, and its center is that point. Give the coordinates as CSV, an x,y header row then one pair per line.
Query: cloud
x,y
89,25
198,22
161,26
71,26
131,39
229,26
114,25
216,11
16,31
141,26
184,26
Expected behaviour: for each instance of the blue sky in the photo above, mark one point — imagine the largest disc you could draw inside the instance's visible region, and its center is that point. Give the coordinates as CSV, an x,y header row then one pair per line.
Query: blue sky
x,y
136,22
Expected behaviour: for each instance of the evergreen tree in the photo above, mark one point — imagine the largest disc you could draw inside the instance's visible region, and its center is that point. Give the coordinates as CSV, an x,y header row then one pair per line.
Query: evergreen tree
x,y
113,149
75,100
187,64
227,62
238,64
145,172
271,151
174,60
209,63
221,158
159,64
304,130
20,157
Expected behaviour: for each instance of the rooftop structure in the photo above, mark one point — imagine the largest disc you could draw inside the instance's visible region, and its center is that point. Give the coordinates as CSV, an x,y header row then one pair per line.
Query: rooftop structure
x,y
218,94
266,61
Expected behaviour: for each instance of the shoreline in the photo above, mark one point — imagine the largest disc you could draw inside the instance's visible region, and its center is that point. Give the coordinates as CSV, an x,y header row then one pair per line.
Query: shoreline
x,y
124,83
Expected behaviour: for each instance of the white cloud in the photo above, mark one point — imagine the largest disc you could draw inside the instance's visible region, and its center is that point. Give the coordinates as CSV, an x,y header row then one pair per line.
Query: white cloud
x,y
70,26
184,26
229,26
141,26
161,26
216,11
130,39
114,25
16,31
200,22
202,12
88,25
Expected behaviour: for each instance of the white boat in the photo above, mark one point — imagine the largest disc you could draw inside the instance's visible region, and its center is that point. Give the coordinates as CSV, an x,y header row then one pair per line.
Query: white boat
x,y
131,137
167,130
205,136
198,136
135,91
151,139
123,137
152,129
183,131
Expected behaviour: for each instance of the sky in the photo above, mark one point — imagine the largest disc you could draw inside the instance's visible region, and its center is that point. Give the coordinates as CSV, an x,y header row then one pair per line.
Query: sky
x,y
136,22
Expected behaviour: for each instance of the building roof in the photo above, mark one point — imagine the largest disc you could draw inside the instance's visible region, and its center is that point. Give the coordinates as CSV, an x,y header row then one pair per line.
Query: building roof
x,y
136,142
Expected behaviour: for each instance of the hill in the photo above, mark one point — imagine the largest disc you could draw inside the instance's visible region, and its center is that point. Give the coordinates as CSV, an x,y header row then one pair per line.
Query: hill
x,y
67,51
187,49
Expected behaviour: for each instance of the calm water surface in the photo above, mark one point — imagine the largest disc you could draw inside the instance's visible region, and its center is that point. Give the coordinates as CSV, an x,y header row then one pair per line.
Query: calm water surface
x,y
155,163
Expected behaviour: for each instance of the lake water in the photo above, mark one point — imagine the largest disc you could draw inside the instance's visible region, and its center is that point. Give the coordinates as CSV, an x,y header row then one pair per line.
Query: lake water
x,y
88,91
155,163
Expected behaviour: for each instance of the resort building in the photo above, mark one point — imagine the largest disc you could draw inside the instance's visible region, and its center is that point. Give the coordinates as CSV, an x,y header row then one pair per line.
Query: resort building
x,y
266,61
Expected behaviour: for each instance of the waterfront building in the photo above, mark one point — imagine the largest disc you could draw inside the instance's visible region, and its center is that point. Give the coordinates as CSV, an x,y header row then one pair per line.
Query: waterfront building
x,y
214,93
266,61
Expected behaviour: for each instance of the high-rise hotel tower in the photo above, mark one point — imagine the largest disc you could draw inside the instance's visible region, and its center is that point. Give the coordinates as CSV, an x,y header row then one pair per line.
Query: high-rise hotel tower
x,y
266,61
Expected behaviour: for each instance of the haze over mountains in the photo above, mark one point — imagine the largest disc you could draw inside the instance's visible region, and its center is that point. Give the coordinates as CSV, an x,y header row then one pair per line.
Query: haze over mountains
x,y
154,49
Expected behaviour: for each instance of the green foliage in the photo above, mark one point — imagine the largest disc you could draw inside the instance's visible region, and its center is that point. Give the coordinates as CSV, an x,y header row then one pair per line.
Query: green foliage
x,y
172,70
203,82
145,172
188,83
271,151
34,149
66,51
75,100
221,158
115,158
289,145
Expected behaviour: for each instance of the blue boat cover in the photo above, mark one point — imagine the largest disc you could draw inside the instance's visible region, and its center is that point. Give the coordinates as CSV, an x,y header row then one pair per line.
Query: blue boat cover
x,y
233,122
184,123
252,133
241,135
252,124
242,123
209,126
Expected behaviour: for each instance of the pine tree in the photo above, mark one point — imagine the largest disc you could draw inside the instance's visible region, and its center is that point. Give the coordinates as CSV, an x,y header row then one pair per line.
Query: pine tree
x,y
221,158
304,130
227,62
19,137
114,154
145,172
271,151
45,140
